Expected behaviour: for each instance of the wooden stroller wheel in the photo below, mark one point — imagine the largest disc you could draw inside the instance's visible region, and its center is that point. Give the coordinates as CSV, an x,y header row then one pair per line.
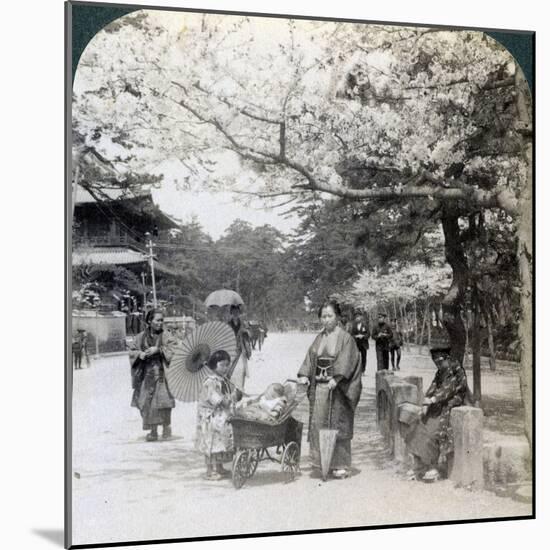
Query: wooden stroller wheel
x,y
290,461
244,466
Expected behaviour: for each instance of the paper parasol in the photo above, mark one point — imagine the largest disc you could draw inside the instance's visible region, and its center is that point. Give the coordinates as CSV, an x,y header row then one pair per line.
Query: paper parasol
x,y
223,297
187,371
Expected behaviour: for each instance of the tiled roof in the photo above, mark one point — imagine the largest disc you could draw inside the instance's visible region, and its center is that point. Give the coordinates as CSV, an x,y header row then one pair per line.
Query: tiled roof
x,y
83,196
116,256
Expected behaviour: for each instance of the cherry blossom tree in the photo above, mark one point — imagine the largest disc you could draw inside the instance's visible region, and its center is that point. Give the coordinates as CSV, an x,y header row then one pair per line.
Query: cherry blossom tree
x,y
423,119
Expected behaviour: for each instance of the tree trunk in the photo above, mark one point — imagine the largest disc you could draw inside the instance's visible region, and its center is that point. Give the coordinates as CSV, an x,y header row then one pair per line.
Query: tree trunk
x,y
525,253
406,326
467,343
476,349
490,340
455,298
415,324
430,319
425,318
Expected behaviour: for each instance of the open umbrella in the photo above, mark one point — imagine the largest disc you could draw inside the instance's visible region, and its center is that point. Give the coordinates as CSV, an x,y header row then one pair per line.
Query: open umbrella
x,y
223,297
327,442
187,369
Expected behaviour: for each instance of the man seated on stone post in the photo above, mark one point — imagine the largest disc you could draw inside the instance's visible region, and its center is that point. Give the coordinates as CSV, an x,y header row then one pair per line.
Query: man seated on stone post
x,y
430,440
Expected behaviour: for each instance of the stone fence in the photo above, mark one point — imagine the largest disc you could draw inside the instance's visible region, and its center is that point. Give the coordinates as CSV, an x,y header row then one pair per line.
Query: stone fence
x,y
398,397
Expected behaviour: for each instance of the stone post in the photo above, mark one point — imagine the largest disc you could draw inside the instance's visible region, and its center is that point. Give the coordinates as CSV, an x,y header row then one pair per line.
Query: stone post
x,y
416,381
467,466
402,392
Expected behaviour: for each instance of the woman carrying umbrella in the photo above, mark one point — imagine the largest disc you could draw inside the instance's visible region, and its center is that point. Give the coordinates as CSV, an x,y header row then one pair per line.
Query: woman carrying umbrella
x,y
332,369
150,355
240,368
218,303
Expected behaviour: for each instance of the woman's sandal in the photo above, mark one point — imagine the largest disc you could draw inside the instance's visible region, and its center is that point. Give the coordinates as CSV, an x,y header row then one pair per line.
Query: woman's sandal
x,y
213,476
339,474
412,475
431,475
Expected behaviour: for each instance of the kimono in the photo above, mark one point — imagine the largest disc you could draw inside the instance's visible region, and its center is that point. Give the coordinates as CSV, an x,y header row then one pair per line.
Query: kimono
x,y
337,406
151,393
432,438
214,435
239,371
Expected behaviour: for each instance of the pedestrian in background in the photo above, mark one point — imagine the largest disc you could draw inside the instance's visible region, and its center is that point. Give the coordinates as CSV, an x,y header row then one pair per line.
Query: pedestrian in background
x,y
395,345
244,347
382,335
80,348
359,329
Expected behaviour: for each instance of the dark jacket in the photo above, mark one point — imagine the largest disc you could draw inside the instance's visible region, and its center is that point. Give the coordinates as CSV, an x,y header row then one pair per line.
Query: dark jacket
x,y
382,334
361,334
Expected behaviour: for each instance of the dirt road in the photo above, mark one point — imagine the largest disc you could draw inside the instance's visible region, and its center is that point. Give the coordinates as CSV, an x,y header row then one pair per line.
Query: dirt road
x,y
127,489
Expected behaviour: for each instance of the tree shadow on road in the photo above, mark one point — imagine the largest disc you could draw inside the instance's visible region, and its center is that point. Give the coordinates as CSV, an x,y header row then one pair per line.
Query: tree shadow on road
x,y
503,415
369,447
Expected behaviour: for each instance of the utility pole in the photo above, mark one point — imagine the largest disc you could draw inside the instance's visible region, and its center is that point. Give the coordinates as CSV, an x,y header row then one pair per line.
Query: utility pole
x,y
144,289
152,264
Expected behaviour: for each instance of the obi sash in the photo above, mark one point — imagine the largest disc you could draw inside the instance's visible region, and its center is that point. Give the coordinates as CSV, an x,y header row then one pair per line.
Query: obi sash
x,y
324,369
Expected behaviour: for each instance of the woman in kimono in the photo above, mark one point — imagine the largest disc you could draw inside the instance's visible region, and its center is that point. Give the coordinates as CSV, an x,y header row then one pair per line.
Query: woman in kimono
x,y
332,369
239,371
431,439
150,355
214,437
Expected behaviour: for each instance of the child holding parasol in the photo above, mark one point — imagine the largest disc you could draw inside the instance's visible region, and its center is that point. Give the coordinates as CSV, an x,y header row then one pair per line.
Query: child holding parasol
x,y
216,405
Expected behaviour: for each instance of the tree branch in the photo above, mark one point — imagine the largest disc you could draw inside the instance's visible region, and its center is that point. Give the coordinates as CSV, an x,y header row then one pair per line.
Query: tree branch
x,y
225,101
502,199
438,189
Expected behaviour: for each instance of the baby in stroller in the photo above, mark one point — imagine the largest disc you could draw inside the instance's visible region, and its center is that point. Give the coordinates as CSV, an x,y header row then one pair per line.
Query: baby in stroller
x,y
269,406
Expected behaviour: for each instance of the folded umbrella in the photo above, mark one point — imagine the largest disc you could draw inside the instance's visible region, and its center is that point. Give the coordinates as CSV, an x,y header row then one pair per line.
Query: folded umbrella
x,y
327,442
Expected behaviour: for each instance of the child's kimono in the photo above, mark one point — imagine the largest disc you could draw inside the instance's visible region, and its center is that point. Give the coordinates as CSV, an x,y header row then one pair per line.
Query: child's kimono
x,y
214,437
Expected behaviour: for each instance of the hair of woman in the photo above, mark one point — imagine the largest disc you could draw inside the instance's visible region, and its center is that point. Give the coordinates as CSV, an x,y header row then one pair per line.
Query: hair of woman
x,y
150,315
332,304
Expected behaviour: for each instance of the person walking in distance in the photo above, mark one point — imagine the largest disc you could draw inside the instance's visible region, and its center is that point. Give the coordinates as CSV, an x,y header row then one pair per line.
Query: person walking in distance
x,y
382,335
360,331
395,345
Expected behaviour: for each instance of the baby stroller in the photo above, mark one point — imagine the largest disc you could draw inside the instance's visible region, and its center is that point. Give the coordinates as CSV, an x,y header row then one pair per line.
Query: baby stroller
x,y
278,441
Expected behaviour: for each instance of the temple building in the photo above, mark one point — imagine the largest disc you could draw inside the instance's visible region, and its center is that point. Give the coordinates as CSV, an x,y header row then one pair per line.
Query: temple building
x,y
111,266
